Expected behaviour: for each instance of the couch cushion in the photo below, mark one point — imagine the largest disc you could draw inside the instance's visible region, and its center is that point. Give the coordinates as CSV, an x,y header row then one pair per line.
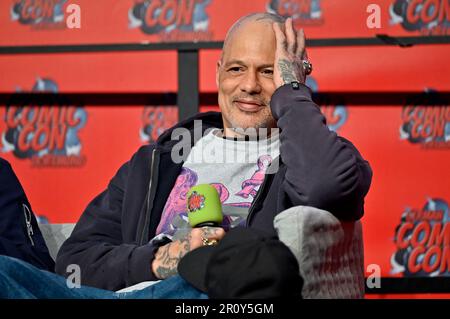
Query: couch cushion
x,y
54,236
329,252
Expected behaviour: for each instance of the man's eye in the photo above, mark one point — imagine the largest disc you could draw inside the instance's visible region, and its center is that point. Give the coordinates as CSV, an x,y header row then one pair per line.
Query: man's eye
x,y
267,72
235,69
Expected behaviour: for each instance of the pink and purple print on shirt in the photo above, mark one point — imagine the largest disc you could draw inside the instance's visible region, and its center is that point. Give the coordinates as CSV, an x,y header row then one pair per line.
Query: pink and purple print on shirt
x,y
235,195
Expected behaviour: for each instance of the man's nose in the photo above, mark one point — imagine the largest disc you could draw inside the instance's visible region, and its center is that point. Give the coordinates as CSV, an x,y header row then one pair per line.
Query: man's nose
x,y
250,83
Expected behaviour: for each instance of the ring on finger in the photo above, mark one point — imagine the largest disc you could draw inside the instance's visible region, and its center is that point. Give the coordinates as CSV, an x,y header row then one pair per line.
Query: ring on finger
x,y
307,66
209,242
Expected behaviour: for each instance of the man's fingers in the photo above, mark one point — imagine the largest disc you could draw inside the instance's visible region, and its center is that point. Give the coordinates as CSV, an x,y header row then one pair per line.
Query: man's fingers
x,y
205,236
213,233
301,42
279,36
207,233
290,36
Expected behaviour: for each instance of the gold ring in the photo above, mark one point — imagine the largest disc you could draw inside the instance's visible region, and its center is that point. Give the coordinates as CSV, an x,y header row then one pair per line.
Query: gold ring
x,y
209,242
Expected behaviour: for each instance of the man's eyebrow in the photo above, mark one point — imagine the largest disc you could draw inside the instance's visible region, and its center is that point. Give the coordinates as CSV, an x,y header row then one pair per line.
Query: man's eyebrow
x,y
264,66
239,62
234,62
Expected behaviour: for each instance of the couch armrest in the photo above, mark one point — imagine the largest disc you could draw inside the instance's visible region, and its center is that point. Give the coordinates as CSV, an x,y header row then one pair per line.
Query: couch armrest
x,y
330,253
55,235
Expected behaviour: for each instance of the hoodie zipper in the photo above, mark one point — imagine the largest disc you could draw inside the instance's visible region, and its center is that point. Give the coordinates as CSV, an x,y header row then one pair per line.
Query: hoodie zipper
x,y
258,194
27,213
150,195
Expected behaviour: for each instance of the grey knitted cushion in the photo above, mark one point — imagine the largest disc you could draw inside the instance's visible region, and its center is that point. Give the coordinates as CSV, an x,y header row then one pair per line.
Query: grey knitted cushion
x,y
329,252
54,236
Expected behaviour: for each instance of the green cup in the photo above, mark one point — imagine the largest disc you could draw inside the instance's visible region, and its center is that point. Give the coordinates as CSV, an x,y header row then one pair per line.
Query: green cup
x,y
203,206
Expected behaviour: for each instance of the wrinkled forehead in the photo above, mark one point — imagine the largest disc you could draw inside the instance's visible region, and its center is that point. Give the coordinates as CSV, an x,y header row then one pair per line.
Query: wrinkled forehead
x,y
251,39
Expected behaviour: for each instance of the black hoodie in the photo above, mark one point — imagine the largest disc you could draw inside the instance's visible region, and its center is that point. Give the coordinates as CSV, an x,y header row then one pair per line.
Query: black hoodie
x,y
316,168
20,236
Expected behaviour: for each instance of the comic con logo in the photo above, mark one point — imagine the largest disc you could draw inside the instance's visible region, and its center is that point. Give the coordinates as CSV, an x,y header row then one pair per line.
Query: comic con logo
x,y
426,125
172,20
336,115
423,241
156,120
430,17
43,13
48,135
301,11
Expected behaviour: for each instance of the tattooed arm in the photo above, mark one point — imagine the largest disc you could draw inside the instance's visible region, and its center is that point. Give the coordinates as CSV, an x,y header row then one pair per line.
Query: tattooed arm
x,y
168,256
323,170
287,71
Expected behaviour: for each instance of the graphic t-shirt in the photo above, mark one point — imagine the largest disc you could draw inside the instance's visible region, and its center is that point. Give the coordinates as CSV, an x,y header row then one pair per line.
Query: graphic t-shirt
x,y
236,168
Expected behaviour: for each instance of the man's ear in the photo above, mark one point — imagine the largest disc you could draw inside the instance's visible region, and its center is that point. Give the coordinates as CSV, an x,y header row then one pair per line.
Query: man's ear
x,y
218,65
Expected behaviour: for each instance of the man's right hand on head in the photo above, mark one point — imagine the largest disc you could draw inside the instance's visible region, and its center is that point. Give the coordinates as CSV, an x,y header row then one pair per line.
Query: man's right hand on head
x,y
289,55
168,256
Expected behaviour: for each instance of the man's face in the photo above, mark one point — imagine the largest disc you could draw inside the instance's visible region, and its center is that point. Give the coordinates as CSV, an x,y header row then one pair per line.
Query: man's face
x,y
245,77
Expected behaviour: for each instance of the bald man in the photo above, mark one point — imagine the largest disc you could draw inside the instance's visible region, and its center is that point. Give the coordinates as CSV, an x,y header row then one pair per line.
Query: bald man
x,y
136,230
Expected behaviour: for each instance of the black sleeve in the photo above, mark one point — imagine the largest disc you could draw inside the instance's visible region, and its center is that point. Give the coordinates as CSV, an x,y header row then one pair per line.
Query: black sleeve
x,y
323,169
20,236
96,243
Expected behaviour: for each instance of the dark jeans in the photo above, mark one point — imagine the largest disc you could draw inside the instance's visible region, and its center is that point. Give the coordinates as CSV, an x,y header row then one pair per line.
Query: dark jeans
x,y
19,279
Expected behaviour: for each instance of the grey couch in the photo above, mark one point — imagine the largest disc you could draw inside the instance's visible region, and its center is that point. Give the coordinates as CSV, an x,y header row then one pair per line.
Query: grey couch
x,y
55,235
329,252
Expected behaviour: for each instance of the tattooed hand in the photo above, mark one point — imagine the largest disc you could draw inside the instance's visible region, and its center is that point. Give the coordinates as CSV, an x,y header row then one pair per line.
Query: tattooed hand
x,y
290,52
168,256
